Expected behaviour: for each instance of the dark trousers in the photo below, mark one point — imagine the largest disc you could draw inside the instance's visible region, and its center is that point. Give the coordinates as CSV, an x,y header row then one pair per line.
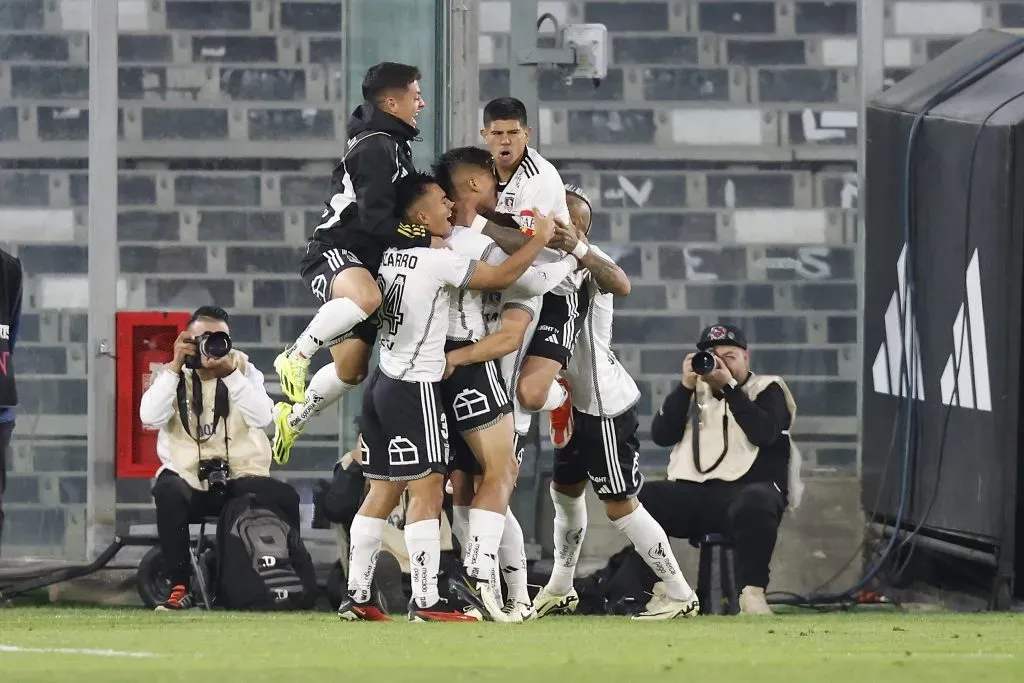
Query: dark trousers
x,y
748,513
6,429
178,505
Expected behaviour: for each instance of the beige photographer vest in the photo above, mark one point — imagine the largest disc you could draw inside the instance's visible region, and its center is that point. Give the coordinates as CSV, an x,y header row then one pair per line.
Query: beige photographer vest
x,y
714,439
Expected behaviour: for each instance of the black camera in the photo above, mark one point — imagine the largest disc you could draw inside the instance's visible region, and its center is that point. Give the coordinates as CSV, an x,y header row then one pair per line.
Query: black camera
x,y
703,362
211,345
214,471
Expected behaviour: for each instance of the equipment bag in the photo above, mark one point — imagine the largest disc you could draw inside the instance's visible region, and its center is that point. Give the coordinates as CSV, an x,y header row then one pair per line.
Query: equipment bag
x,y
262,563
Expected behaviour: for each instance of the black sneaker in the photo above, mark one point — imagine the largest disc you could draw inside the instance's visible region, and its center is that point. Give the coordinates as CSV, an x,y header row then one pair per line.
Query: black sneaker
x,y
478,594
445,609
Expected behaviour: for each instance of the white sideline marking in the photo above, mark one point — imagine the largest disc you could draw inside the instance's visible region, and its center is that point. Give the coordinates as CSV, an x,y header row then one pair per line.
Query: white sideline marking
x,y
73,651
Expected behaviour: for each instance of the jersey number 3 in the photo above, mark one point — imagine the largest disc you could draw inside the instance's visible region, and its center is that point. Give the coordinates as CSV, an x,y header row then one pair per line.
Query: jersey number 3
x,y
389,314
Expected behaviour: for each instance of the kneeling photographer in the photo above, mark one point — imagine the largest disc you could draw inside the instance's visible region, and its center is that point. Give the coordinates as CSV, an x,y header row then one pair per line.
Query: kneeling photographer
x,y
211,408
729,468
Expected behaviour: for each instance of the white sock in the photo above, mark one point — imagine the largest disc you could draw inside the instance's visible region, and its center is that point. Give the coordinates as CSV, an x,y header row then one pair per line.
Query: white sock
x,y
512,558
485,529
556,397
651,542
570,528
423,539
335,318
460,525
324,389
364,541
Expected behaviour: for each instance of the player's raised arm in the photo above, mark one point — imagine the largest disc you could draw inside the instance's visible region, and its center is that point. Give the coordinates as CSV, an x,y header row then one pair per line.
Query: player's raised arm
x,y
486,276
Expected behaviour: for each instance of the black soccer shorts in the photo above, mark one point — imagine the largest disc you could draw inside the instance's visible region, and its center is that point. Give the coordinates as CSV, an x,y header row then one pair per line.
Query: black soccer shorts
x,y
559,325
320,267
404,429
475,395
605,450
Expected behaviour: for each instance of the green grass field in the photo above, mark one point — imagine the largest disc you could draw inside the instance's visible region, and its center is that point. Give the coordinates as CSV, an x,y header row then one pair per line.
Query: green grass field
x,y
83,644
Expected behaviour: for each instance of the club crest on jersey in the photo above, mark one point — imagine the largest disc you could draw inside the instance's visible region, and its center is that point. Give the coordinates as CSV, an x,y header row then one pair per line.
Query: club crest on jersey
x,y
508,201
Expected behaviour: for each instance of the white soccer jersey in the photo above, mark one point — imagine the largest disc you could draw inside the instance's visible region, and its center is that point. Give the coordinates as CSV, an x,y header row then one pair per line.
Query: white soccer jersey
x,y
536,183
600,385
468,318
414,311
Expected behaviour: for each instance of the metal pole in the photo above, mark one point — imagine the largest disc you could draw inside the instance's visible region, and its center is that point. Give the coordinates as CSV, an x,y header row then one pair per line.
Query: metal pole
x,y
871,59
103,268
463,85
522,78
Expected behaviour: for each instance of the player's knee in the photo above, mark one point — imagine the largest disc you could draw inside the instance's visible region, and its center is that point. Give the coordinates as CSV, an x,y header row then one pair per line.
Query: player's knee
x,y
617,509
362,290
571,490
532,393
349,372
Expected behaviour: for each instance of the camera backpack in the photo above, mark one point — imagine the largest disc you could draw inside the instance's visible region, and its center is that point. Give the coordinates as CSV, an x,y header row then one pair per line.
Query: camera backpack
x,y
261,561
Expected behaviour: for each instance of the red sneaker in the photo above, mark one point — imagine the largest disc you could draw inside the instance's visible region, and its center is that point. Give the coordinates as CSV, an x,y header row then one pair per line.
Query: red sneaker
x,y
561,417
178,599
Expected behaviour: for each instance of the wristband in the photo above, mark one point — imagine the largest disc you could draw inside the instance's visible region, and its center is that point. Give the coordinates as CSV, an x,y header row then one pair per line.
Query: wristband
x,y
580,250
478,224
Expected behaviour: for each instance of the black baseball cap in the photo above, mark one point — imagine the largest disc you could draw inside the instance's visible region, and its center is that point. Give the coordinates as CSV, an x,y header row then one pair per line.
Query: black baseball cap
x,y
721,335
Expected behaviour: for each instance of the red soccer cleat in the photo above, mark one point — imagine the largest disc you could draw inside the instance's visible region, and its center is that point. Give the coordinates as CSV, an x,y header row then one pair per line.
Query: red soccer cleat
x,y
561,417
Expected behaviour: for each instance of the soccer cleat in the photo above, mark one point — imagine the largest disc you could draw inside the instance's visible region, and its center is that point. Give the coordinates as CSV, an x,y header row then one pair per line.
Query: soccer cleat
x,y
661,607
518,612
292,372
445,609
561,418
350,610
179,599
479,594
547,602
284,434
753,602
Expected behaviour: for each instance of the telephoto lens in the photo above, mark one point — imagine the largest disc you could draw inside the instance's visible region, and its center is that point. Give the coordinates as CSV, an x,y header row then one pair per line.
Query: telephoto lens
x,y
214,344
703,362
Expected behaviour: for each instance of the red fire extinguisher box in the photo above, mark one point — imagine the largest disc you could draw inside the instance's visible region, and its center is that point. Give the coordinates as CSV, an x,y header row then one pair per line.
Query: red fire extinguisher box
x,y
145,341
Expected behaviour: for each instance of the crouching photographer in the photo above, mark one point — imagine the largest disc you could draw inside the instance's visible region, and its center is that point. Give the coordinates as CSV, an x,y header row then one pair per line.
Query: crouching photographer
x,y
211,407
729,470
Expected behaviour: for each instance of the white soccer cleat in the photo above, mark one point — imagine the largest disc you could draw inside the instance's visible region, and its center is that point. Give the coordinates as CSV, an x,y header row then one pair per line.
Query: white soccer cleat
x,y
547,602
519,612
753,602
661,607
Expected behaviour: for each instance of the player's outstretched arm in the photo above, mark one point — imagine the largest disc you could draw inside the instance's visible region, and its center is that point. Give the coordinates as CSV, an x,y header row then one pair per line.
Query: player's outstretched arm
x,y
515,319
609,277
486,276
506,233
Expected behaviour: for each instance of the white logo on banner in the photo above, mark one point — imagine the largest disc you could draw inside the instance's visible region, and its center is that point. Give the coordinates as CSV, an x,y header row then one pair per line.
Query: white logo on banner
x,y
899,352
969,361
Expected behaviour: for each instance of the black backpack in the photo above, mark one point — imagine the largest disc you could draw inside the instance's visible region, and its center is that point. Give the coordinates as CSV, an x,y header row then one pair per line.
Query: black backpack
x,y
261,561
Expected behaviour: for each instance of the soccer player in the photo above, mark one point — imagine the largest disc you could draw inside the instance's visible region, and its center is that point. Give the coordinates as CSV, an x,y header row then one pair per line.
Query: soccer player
x,y
603,447
404,429
474,392
526,180
344,251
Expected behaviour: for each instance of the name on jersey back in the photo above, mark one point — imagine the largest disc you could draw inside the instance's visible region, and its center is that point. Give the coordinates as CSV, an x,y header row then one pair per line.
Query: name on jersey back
x,y
398,259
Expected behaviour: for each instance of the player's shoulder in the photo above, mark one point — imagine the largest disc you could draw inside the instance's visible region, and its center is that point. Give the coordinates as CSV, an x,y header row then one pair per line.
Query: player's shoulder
x,y
539,165
468,242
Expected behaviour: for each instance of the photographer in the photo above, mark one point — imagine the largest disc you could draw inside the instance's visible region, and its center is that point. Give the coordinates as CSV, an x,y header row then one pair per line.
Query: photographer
x,y
211,407
733,477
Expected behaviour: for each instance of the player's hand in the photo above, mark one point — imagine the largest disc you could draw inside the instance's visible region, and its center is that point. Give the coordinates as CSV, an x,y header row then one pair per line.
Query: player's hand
x,y
220,367
543,225
720,376
449,367
565,237
689,376
183,347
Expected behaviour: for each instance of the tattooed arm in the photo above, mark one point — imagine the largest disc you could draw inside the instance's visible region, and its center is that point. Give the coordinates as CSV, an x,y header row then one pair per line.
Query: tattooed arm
x,y
503,229
608,276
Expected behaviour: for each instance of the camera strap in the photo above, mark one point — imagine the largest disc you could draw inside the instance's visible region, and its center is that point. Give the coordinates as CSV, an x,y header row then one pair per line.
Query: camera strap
x,y
695,428
220,406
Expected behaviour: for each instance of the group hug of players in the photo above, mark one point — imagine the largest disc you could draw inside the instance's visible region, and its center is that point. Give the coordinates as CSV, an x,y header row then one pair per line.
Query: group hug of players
x,y
488,305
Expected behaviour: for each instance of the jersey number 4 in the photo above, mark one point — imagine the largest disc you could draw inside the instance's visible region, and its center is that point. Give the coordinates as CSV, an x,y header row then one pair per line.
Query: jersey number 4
x,y
389,314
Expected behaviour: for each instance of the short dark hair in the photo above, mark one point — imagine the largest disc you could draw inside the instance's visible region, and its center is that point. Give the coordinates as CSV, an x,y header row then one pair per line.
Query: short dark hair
x,y
387,76
209,313
409,189
460,156
505,109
